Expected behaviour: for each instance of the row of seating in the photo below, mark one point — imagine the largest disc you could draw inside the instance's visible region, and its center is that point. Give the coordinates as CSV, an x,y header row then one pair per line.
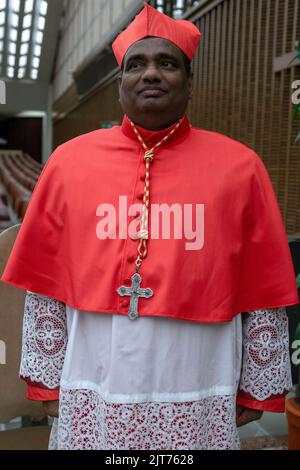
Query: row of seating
x,y
18,174
5,220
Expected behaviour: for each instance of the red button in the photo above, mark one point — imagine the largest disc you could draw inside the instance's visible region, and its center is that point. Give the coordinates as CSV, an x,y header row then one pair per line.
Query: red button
x,y
140,196
130,259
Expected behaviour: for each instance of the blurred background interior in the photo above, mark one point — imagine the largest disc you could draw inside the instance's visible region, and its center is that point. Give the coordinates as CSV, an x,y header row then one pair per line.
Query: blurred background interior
x,y
58,79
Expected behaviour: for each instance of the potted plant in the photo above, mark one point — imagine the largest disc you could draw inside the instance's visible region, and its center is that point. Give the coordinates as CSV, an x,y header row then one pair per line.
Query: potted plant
x,y
296,104
293,403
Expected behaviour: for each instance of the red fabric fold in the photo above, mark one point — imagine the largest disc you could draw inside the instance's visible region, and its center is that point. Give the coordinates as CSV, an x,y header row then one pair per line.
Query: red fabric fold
x,y
37,392
275,403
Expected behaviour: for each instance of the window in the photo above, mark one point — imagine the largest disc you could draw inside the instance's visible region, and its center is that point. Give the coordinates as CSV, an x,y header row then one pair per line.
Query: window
x,y
22,25
173,8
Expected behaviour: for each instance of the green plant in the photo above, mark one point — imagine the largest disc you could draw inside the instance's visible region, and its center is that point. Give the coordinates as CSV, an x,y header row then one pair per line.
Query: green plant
x,y
296,346
296,342
296,107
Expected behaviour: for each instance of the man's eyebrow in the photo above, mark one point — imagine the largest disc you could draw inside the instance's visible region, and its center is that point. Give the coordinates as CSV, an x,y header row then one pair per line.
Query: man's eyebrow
x,y
135,57
162,55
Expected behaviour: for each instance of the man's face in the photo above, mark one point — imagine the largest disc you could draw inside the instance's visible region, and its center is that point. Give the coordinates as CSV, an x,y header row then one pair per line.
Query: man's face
x,y
154,81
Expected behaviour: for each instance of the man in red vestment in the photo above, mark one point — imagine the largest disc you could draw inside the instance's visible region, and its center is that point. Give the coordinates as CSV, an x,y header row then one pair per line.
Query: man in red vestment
x,y
96,311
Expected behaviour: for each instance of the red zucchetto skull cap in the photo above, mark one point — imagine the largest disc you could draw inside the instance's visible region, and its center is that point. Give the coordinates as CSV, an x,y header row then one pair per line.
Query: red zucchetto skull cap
x,y
150,22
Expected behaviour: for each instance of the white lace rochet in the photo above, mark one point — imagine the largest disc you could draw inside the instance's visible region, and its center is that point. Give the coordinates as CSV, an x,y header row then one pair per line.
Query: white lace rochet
x,y
88,421
266,365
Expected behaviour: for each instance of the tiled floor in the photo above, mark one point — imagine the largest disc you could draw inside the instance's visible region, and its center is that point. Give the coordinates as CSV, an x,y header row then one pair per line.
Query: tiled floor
x,y
265,443
271,424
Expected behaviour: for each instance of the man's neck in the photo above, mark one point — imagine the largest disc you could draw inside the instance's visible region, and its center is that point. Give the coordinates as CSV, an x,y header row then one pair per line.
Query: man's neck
x,y
153,123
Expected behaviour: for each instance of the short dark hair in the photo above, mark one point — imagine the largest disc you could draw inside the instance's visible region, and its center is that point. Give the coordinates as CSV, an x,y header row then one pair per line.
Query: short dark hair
x,y
187,64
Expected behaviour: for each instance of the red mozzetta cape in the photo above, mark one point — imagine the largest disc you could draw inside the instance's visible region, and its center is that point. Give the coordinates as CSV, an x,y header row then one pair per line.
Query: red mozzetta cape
x,y
244,264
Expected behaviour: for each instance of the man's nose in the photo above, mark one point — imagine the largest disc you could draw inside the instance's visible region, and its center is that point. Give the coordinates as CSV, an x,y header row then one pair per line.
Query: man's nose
x,y
151,72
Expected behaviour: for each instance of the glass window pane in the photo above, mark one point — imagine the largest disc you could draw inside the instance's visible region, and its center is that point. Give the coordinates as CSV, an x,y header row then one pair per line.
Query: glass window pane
x,y
43,8
21,72
36,62
15,20
15,4
10,72
34,74
39,37
24,48
25,35
28,6
41,23
11,60
27,21
23,61
12,47
13,34
37,50
2,17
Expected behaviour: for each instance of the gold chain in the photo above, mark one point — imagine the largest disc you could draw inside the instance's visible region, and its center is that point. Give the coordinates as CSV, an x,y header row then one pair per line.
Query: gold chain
x,y
143,234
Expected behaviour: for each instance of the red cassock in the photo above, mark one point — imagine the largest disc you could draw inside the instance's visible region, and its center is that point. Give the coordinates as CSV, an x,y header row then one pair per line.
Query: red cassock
x,y
244,263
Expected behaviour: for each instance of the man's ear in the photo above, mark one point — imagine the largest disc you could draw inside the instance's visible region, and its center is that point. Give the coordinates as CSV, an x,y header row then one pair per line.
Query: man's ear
x,y
190,84
119,80
119,83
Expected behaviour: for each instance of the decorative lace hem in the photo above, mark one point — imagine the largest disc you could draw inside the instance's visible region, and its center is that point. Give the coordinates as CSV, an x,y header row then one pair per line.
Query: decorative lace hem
x,y
44,340
266,367
86,421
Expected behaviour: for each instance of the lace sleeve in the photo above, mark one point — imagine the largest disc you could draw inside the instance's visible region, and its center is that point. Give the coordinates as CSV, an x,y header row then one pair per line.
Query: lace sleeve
x,y
266,368
44,340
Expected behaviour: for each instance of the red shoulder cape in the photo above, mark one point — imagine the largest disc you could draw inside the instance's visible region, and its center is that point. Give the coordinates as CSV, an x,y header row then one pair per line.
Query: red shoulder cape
x,y
244,264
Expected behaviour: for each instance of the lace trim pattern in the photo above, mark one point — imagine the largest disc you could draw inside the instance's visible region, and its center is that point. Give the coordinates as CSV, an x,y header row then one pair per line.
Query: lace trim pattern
x,y
86,421
266,367
44,340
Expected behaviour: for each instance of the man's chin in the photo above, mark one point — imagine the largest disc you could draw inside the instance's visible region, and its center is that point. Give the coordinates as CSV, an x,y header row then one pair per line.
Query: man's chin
x,y
153,103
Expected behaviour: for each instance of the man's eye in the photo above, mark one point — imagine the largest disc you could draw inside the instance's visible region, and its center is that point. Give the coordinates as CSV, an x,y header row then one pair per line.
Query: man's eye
x,y
167,63
134,65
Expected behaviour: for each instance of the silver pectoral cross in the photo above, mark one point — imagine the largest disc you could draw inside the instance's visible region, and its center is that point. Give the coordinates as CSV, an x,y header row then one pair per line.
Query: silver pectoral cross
x,y
134,292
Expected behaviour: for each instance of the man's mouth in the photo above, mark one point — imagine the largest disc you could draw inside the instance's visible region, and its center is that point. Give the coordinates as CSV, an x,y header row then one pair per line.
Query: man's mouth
x,y
152,92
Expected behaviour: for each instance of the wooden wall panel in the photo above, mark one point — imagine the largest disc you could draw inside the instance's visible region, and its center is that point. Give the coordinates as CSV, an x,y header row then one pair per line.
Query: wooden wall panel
x,y
247,100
